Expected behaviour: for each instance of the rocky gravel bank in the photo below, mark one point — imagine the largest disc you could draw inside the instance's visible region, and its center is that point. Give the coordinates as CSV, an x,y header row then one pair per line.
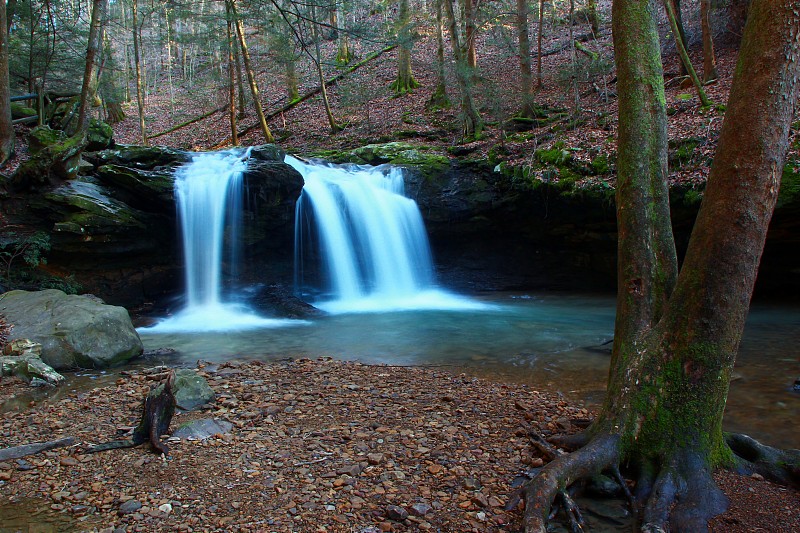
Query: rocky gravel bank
x,y
314,446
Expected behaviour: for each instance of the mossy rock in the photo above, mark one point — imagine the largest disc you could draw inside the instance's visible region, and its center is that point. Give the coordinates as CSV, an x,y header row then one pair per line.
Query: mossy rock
x,y
376,154
100,136
41,137
144,186
141,157
20,110
92,210
268,152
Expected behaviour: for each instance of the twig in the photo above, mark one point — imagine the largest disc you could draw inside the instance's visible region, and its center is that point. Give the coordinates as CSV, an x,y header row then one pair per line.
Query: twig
x,y
315,461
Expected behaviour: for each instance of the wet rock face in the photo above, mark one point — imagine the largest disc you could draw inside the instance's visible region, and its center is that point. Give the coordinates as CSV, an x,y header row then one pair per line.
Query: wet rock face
x,y
115,228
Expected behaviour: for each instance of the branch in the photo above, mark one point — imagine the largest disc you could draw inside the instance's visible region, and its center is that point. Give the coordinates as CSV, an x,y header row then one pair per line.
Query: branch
x,y
29,449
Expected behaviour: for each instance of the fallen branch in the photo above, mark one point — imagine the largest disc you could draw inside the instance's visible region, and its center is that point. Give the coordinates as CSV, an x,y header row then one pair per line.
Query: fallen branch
x,y
188,122
29,449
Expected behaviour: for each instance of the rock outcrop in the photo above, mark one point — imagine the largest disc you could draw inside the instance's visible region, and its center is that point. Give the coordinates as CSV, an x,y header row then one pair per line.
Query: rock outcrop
x,y
74,331
114,230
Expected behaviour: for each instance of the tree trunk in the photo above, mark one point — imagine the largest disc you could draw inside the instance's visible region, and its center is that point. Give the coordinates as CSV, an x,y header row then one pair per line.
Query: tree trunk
x,y
471,120
6,127
679,34
320,74
251,77
231,78
90,73
405,82
709,58
525,68
439,99
137,37
469,33
292,90
672,15
594,17
539,80
676,337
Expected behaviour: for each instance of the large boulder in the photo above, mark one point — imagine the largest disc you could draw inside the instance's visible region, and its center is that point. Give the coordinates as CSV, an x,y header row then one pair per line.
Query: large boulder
x,y
74,331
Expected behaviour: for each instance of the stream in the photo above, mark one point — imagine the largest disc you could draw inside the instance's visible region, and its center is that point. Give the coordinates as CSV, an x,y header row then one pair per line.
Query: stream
x,y
554,342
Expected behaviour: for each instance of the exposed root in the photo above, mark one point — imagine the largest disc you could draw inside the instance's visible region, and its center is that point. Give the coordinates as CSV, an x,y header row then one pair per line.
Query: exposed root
x,y
600,454
679,495
780,466
577,525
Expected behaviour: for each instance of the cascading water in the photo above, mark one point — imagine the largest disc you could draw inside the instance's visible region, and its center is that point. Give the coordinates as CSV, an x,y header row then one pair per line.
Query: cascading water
x,y
209,191
371,239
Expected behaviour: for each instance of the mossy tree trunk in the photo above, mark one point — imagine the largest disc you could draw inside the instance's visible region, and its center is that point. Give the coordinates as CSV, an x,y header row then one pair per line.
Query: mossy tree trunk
x,y
677,335
90,70
471,119
674,19
539,79
405,82
6,126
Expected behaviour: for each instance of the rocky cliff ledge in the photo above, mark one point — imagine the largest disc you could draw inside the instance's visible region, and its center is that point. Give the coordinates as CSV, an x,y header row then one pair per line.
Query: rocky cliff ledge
x,y
113,228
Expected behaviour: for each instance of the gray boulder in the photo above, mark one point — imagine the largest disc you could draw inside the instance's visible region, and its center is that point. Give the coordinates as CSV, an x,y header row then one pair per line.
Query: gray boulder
x,y
74,331
191,390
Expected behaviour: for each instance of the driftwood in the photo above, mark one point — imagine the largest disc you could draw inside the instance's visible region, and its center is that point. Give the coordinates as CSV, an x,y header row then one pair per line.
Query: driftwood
x,y
29,449
159,407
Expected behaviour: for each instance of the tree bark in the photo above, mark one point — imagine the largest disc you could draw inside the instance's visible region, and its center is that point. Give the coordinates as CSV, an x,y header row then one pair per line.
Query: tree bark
x,y
137,37
709,58
251,77
90,73
6,126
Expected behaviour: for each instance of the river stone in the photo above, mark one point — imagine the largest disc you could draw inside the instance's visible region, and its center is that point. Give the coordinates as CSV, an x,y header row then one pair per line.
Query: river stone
x,y
202,429
191,390
74,331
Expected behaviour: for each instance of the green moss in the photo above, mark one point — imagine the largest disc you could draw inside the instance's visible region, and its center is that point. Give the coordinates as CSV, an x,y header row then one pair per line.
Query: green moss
x,y
557,155
681,151
790,184
600,164
693,197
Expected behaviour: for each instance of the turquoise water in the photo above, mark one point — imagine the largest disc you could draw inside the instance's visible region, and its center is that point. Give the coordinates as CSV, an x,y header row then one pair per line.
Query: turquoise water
x,y
555,342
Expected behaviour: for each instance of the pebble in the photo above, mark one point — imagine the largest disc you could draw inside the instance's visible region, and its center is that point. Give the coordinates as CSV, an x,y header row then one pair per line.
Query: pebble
x,y
130,506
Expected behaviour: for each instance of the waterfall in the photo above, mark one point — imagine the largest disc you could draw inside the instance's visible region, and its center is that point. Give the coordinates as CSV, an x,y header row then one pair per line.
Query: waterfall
x,y
208,191
370,239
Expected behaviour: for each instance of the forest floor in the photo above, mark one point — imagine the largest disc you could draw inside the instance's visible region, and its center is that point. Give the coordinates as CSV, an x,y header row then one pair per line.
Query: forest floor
x,y
318,445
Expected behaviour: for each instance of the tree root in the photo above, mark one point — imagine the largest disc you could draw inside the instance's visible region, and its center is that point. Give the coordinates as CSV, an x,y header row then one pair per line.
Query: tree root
x,y
680,495
780,466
